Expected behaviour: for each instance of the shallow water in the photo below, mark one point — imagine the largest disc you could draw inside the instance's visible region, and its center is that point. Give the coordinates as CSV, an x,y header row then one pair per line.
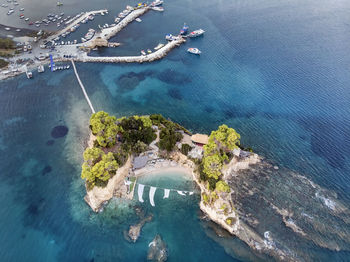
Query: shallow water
x,y
275,71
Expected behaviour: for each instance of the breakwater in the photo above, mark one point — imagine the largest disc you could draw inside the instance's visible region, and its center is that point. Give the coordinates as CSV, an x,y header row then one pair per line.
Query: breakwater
x,y
129,59
109,32
76,21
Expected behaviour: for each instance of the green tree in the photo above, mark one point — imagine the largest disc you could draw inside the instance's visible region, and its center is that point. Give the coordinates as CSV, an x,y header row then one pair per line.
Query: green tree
x,y
139,147
212,166
99,173
105,128
168,137
225,137
222,186
185,148
92,155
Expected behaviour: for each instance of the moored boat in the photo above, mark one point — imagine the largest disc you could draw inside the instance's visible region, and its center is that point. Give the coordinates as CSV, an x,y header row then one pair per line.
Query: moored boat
x,y
194,50
41,69
184,30
143,52
157,3
169,37
196,33
158,8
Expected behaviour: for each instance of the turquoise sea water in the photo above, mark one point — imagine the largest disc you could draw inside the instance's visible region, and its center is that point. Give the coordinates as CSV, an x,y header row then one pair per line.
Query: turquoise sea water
x,y
276,71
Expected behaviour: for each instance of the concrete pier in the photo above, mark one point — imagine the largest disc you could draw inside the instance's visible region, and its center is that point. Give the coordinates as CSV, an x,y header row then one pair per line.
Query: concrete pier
x,y
160,53
76,21
83,88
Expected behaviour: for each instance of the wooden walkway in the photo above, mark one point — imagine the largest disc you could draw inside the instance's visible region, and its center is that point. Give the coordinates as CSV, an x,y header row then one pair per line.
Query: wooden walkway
x,y
83,88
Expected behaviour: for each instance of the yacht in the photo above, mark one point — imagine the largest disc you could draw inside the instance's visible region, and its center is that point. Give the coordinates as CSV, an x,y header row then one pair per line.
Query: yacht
x,y
196,33
158,8
194,50
157,2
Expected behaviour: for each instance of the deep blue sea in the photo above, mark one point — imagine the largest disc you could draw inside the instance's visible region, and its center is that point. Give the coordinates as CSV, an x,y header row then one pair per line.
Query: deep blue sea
x,y
276,71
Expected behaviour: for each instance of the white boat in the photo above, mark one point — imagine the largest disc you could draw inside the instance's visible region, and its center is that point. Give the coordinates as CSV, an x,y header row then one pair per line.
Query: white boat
x,y
157,2
7,28
196,33
27,19
41,69
138,20
143,52
194,50
29,74
169,37
21,9
158,8
159,46
117,19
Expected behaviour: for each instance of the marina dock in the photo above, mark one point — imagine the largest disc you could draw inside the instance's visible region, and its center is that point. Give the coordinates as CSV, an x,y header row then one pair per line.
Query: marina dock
x,y
76,21
160,53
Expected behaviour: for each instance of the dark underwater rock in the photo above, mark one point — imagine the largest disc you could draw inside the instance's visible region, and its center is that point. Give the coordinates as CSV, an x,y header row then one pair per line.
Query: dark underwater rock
x,y
157,250
59,131
46,169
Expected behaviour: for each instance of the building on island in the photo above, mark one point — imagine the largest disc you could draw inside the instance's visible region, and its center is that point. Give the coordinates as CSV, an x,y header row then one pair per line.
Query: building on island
x,y
200,139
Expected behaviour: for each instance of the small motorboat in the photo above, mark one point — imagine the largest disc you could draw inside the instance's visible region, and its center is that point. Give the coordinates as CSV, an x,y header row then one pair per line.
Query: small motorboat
x,y
143,52
194,50
149,51
196,33
184,30
138,20
169,37
157,2
158,8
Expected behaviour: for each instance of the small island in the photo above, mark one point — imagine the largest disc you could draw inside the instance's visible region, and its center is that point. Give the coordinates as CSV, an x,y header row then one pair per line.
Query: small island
x,y
120,150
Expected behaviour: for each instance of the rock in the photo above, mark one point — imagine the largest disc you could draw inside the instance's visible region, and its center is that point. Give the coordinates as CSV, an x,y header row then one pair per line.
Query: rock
x,y
135,230
157,250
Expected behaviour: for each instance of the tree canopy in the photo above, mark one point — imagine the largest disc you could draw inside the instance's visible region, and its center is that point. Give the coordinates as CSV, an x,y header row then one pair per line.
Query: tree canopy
x,y
220,142
98,172
105,128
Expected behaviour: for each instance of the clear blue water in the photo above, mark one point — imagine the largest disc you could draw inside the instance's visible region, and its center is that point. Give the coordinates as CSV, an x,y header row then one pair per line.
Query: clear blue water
x,y
276,71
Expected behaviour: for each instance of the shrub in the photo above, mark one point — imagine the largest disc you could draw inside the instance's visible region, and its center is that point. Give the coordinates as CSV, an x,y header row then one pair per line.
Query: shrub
x,y
222,186
185,148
